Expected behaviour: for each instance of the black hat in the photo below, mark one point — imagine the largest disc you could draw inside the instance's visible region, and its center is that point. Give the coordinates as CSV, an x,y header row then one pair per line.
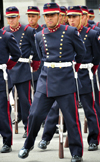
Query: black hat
x,y
12,11
74,10
33,10
50,8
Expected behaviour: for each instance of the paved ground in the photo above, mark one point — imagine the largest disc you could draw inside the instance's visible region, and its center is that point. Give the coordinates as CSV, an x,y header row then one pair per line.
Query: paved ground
x,y
49,155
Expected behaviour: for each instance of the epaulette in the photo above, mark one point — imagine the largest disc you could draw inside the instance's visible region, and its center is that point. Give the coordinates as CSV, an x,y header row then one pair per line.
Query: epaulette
x,y
94,26
26,27
97,23
3,28
4,32
88,30
66,27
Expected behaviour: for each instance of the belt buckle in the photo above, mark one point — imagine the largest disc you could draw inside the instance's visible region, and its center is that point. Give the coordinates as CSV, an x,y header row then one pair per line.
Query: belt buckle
x,y
52,65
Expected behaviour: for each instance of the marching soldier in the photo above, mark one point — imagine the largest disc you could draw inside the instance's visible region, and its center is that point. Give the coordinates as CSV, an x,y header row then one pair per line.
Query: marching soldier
x,y
33,14
91,16
21,74
8,46
57,50
90,62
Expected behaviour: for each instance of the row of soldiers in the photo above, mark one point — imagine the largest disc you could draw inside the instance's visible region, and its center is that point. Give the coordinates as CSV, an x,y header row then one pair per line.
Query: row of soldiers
x,y
64,51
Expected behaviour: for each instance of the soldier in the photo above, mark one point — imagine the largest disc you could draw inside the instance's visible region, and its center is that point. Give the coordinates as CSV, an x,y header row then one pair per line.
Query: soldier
x,y
33,14
97,93
62,15
91,16
8,47
57,50
21,74
90,62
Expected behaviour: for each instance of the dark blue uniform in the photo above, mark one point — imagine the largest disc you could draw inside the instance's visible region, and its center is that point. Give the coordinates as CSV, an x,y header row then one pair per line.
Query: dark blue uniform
x,y
8,47
57,84
90,39
21,74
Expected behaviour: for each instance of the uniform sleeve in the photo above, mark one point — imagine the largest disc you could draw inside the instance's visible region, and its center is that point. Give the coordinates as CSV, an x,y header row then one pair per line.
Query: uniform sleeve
x,y
95,42
38,48
78,46
13,48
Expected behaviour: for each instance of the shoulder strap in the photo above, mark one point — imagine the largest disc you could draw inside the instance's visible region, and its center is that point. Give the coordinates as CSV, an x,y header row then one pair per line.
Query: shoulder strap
x,y
88,30
4,32
66,27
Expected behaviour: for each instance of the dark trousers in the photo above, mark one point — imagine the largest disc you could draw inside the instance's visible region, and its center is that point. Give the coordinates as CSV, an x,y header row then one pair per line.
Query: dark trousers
x,y
92,119
39,110
24,95
97,102
5,119
51,122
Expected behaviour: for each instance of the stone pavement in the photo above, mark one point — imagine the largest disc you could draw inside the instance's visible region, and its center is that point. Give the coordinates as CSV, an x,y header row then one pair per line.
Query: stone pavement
x,y
51,153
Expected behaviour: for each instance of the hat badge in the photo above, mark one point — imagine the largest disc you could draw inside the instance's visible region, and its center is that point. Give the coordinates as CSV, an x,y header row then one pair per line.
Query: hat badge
x,y
10,8
30,7
48,5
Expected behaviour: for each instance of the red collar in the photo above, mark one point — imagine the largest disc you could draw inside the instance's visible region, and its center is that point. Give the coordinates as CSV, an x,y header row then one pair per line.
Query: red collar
x,y
35,27
54,29
87,25
80,29
16,29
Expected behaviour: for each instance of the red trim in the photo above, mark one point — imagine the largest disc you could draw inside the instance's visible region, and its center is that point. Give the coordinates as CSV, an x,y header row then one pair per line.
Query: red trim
x,y
84,10
4,32
99,96
91,14
12,12
77,121
88,30
54,29
77,11
97,23
96,118
51,9
29,92
66,27
94,26
16,29
33,10
26,27
9,117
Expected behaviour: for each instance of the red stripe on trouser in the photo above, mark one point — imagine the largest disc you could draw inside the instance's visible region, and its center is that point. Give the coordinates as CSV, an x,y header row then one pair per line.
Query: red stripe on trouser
x,y
77,121
99,96
9,118
96,118
29,89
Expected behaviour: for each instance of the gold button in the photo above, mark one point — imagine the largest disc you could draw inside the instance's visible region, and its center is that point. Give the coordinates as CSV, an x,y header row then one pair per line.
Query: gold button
x,y
84,38
47,53
21,36
60,67
60,48
47,56
83,42
60,52
42,34
44,37
63,32
61,40
60,61
60,56
46,49
20,40
45,41
0,37
61,44
23,33
85,35
62,36
46,45
20,43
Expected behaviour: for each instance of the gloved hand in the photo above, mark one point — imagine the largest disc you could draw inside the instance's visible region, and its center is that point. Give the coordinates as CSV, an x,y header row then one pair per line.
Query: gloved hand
x,y
35,65
77,65
10,64
94,68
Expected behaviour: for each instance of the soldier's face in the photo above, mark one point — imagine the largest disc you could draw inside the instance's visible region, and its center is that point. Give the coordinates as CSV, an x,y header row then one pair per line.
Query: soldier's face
x,y
33,19
84,19
62,19
51,20
74,20
13,21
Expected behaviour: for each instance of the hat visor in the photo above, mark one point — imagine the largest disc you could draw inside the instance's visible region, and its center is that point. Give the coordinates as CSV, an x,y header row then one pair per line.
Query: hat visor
x,y
50,12
35,13
11,15
74,14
